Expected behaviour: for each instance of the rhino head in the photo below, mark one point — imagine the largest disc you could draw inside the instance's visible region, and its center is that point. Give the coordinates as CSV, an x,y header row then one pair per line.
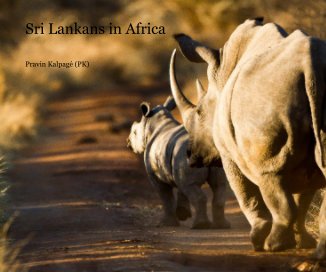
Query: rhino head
x,y
198,119
141,131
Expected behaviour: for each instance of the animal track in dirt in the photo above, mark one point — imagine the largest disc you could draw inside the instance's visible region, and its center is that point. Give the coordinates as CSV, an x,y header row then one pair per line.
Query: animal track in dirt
x,y
91,208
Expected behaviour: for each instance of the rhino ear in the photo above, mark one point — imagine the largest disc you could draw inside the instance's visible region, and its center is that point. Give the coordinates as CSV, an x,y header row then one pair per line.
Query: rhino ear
x,y
145,109
195,51
169,103
259,19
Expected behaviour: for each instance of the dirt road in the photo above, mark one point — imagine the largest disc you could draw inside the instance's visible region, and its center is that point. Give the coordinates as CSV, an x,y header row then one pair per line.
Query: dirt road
x,y
85,204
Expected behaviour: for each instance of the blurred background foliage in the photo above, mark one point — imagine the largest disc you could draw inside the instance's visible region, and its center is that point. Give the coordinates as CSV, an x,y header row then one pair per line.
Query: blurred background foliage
x,y
116,59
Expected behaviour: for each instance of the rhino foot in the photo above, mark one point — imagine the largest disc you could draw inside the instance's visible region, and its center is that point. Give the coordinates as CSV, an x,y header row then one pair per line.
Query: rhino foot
x,y
169,221
202,225
320,252
258,234
280,238
305,240
222,224
183,213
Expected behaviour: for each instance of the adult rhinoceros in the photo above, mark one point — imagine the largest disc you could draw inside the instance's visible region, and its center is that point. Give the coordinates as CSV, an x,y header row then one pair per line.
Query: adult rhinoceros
x,y
264,115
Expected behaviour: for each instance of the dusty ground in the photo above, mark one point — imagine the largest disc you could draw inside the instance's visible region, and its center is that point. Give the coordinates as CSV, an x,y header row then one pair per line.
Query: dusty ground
x,y
85,204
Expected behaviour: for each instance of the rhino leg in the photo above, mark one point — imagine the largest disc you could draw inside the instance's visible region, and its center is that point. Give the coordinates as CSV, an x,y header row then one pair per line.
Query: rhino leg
x,y
284,212
166,194
198,200
321,248
302,237
183,210
218,186
251,203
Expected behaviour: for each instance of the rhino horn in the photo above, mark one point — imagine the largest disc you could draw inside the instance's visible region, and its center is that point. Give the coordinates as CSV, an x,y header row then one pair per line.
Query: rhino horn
x,y
169,103
184,105
195,51
200,89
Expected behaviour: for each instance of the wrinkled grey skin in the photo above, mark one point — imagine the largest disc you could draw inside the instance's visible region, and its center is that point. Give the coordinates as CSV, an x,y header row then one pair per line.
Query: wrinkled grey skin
x,y
164,143
264,115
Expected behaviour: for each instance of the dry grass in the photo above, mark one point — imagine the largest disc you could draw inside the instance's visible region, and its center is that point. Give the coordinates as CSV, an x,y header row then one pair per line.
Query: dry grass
x,y
8,254
312,221
18,113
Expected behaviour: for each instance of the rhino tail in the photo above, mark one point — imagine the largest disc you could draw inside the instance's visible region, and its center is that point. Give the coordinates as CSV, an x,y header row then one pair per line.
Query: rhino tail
x,y
316,89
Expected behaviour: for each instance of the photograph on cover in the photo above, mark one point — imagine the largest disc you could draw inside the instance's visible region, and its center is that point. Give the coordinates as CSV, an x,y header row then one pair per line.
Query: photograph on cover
x,y
175,135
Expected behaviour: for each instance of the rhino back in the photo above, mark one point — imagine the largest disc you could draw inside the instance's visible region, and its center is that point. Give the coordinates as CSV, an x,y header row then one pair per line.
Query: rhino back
x,y
166,157
247,40
159,151
263,118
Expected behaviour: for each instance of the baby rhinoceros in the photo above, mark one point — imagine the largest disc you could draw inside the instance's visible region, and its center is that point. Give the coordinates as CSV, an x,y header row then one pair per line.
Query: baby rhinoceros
x,y
164,144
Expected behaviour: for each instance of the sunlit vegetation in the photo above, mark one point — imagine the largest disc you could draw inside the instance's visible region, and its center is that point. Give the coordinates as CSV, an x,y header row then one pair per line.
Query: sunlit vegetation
x,y
115,59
